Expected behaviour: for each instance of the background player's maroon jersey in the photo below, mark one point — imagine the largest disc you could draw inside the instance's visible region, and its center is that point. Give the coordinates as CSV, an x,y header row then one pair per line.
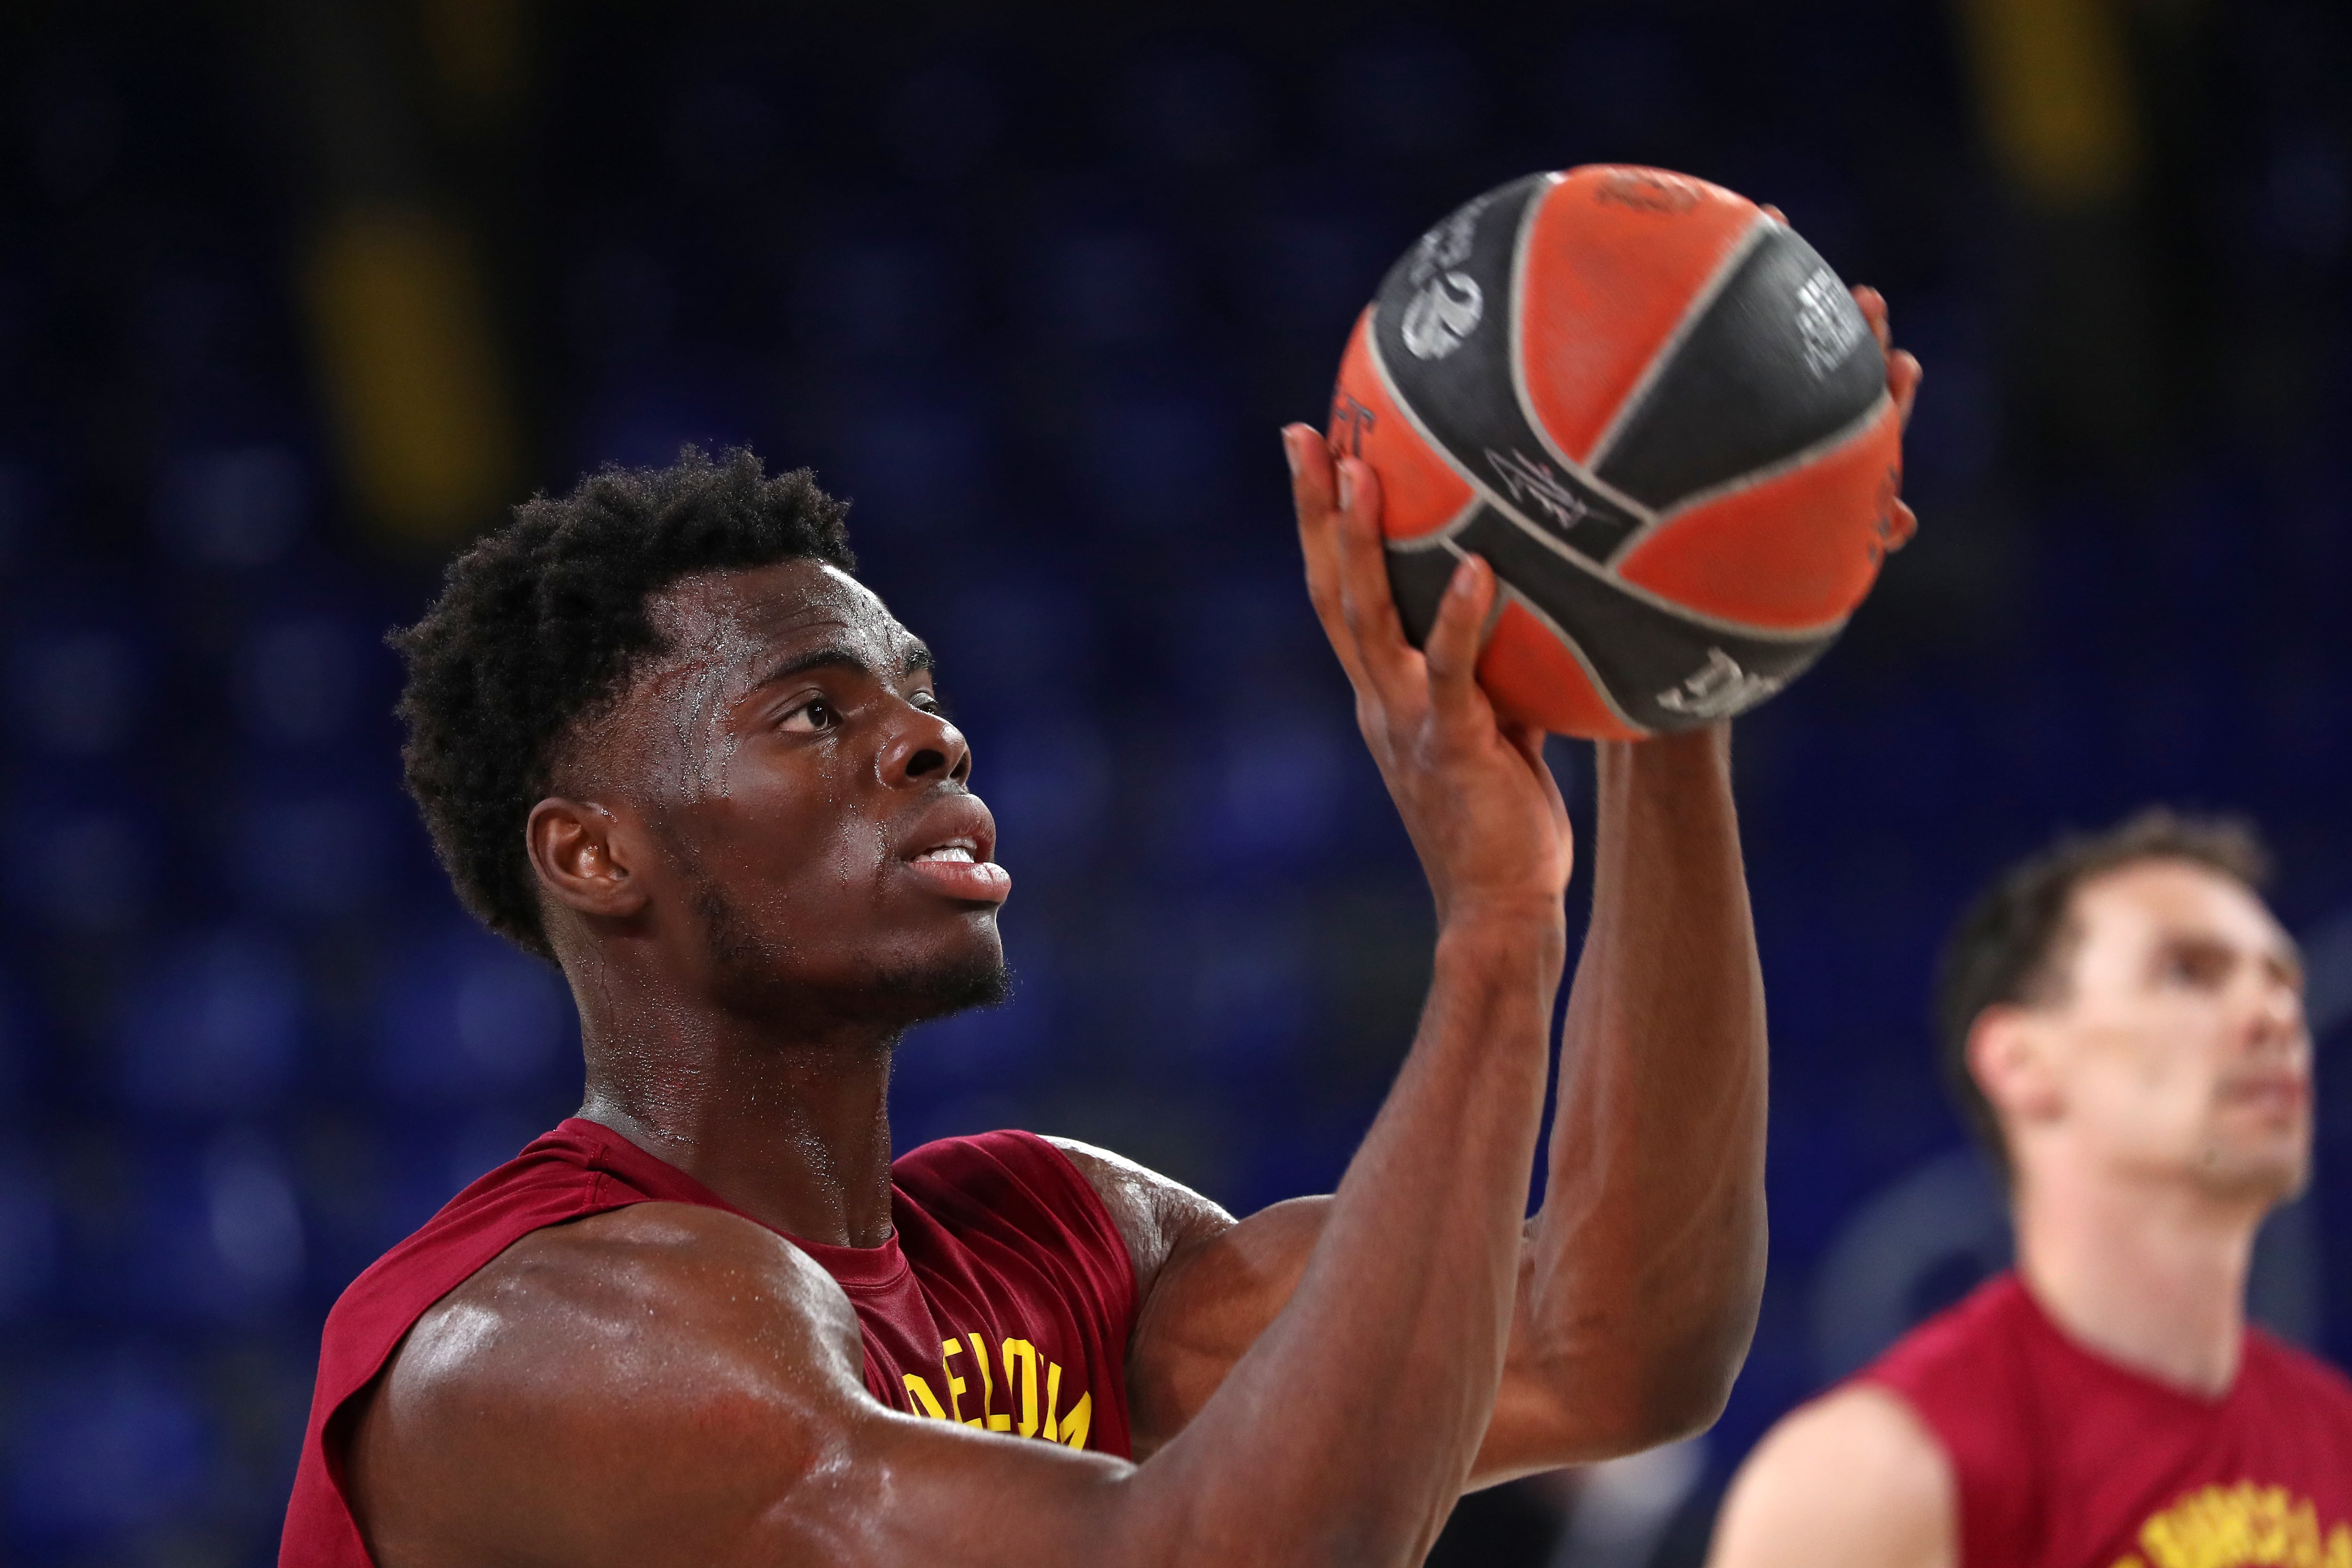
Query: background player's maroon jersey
x,y
2065,1459
1004,1299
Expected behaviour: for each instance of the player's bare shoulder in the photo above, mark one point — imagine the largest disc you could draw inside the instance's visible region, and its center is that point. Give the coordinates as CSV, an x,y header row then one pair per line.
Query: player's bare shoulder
x,y
585,1379
1853,1480
599,1294
1157,1216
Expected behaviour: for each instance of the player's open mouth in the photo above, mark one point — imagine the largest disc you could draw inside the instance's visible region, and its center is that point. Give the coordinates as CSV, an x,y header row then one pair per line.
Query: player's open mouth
x,y
956,870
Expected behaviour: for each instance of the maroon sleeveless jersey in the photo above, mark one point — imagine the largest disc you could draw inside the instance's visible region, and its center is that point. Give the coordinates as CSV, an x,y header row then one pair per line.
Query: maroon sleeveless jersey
x,y
1002,1299
2065,1459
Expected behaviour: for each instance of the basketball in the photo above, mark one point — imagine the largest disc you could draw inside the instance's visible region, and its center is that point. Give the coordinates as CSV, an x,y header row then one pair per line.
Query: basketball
x,y
1660,418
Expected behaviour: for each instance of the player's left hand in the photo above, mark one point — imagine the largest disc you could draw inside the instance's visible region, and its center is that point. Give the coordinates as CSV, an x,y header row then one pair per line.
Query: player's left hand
x,y
1484,811
1902,374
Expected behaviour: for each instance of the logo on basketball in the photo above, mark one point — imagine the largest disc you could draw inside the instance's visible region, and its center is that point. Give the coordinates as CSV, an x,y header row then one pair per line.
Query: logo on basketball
x,y
1442,315
1827,320
1448,245
1718,689
1533,483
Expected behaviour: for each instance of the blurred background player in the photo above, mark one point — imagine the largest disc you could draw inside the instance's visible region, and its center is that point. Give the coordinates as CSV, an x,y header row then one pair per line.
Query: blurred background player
x,y
2123,1024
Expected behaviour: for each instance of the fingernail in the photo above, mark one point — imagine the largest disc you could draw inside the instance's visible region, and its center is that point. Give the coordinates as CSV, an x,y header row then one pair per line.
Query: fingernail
x,y
1465,577
1290,451
1346,487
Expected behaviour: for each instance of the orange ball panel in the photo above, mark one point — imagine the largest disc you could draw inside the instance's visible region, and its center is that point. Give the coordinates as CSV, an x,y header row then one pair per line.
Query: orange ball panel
x,y
1420,491
1615,254
1798,550
1528,676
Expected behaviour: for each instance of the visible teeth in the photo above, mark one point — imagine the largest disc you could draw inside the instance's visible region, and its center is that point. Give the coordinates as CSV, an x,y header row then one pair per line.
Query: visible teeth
x,y
955,852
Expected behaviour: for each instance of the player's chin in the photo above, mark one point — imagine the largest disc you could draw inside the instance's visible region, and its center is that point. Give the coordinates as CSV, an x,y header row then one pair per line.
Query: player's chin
x,y
922,979
930,921
920,920
2273,1169
925,931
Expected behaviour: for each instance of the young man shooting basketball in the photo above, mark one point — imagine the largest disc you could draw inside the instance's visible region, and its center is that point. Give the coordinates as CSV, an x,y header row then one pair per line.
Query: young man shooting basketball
x,y
2124,1022
664,738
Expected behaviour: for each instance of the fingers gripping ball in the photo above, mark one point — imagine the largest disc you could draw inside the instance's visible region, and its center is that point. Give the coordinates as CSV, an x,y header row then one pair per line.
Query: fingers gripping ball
x,y
1660,416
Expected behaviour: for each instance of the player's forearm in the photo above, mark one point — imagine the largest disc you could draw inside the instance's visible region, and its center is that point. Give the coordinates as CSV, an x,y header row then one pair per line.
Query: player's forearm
x,y
1344,1432
1647,1262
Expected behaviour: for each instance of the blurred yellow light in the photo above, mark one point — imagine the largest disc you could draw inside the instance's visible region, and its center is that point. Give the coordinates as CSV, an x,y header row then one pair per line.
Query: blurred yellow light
x,y
2056,86
405,352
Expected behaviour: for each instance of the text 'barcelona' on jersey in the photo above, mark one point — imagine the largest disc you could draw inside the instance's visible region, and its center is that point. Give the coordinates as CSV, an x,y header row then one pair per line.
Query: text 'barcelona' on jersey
x,y
2222,1526
1022,1411
1004,1299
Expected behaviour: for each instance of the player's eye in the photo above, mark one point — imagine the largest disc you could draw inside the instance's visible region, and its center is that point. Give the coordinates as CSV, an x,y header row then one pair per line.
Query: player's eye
x,y
929,702
816,713
2198,966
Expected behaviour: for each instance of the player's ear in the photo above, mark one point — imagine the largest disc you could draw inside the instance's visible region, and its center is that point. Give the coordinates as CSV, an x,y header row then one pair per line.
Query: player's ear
x,y
585,856
2008,1054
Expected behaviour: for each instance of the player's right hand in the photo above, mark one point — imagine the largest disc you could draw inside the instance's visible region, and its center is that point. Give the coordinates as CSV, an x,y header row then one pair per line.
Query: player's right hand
x,y
1485,813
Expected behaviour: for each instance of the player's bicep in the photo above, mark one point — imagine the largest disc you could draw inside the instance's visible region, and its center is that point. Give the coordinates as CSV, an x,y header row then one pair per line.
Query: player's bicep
x,y
1225,1284
1207,1305
1853,1480
670,1386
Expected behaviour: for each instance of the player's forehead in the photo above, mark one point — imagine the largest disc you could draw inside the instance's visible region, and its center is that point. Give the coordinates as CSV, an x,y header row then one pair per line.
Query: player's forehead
x,y
2147,904
739,622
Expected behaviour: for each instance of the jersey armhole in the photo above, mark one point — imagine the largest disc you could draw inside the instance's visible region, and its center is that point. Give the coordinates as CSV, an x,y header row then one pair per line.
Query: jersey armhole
x,y
1105,1242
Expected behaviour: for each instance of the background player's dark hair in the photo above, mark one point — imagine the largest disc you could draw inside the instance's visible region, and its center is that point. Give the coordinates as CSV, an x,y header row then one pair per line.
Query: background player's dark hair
x,y
540,622
2012,944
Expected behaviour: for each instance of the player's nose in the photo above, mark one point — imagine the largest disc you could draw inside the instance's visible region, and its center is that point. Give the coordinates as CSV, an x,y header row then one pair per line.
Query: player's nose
x,y
924,748
2277,1018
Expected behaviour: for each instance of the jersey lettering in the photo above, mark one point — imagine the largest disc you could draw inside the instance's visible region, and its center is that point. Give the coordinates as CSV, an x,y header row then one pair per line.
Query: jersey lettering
x,y
1021,1359
2243,1526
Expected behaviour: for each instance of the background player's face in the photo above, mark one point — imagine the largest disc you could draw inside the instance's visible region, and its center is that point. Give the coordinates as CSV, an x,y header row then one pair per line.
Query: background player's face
x,y
2179,1046
788,764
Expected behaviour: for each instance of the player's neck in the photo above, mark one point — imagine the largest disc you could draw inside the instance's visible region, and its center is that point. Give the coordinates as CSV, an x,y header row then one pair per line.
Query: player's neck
x,y
2150,1275
792,1127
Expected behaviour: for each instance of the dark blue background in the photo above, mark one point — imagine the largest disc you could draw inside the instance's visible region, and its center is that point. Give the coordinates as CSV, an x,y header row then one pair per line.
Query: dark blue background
x,y
1036,295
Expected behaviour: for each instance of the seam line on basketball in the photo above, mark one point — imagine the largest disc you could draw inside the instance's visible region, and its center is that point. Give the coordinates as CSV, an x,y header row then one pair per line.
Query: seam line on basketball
x,y
1479,487
1514,350
1664,356
1680,612
1851,430
1439,538
1576,651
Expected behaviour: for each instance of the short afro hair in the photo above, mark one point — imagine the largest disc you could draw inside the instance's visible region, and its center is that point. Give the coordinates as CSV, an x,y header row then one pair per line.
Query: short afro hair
x,y
541,621
2011,948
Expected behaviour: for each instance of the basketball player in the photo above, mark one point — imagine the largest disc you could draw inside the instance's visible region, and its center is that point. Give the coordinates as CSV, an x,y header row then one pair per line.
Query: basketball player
x,y
664,738
2123,1022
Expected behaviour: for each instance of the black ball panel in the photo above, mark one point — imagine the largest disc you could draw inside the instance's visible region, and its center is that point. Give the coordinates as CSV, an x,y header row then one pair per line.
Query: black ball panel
x,y
1417,580
1780,359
